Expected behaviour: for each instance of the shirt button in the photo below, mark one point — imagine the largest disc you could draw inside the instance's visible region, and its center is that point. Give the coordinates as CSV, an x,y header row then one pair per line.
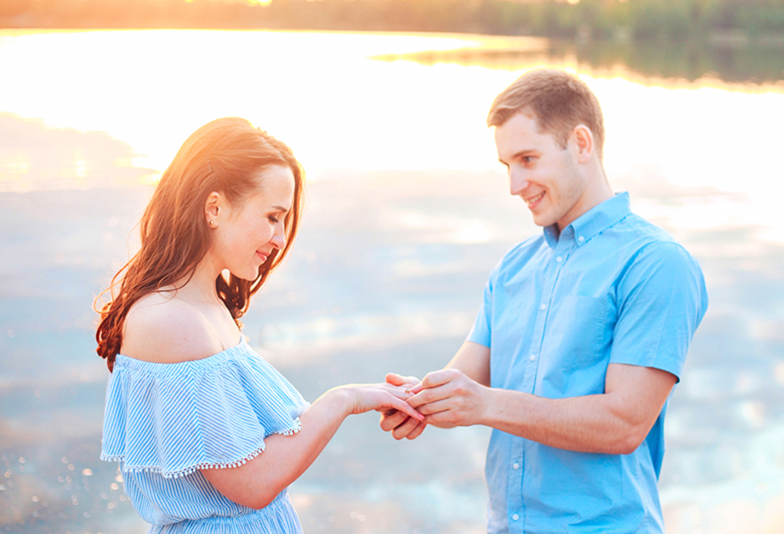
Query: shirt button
x,y
515,517
581,239
515,466
532,357
543,307
559,259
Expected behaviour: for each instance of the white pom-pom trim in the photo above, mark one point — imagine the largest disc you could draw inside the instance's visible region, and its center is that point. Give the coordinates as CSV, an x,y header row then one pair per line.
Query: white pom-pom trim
x,y
296,427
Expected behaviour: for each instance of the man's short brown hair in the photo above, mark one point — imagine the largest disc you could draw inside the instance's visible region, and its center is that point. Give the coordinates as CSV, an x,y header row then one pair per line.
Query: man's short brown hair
x,y
557,101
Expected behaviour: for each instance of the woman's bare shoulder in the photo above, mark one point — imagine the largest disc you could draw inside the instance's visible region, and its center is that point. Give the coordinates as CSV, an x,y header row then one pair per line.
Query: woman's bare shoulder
x,y
162,329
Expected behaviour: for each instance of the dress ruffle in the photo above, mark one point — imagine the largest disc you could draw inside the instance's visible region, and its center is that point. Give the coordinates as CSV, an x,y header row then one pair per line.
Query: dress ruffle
x,y
174,419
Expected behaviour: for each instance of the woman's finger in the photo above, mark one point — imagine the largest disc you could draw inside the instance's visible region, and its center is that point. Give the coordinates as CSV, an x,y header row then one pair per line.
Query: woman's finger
x,y
403,406
400,392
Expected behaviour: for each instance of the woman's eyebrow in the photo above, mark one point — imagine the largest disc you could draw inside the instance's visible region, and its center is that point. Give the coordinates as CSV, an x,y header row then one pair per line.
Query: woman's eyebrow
x,y
278,208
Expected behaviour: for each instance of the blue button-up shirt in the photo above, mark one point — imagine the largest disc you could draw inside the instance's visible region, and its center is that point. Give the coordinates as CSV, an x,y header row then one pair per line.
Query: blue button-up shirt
x,y
611,288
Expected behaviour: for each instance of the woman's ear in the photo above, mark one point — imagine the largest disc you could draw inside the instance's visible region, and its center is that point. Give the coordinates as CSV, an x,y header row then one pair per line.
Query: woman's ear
x,y
212,209
583,140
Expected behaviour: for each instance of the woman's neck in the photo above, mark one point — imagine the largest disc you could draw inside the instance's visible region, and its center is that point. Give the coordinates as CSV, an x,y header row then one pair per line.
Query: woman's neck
x,y
201,286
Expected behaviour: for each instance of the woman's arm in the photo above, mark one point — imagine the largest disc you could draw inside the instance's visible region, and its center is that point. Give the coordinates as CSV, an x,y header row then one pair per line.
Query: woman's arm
x,y
256,483
168,331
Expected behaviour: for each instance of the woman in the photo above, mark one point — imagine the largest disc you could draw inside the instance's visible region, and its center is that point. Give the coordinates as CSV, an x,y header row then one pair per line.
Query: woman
x,y
208,434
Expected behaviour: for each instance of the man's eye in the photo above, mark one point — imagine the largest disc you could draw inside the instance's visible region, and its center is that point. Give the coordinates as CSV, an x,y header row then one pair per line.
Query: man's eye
x,y
528,159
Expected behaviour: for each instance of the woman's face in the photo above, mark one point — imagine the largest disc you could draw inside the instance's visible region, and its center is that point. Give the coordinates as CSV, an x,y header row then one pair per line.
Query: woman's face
x,y
245,235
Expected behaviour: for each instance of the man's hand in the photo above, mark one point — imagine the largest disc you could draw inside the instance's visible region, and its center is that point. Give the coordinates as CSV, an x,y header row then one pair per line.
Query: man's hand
x,y
449,398
397,422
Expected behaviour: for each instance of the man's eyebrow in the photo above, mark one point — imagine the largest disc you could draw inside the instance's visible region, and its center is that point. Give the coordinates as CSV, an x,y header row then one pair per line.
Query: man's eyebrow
x,y
520,154
524,152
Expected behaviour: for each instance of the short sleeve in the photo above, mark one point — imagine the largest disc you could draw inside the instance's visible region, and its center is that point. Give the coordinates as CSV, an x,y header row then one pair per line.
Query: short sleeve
x,y
174,419
481,331
661,299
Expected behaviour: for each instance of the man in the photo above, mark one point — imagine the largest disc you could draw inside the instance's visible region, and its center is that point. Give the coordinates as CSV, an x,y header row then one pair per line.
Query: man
x,y
581,337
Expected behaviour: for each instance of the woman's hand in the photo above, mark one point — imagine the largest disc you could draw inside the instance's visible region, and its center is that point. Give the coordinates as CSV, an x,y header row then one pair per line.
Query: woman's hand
x,y
398,422
380,397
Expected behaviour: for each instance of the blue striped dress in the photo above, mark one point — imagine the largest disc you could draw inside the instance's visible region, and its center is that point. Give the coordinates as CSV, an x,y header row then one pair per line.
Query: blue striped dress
x,y
166,422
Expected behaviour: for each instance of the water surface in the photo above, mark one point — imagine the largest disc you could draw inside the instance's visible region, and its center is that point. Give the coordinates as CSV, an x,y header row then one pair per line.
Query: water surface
x,y
407,213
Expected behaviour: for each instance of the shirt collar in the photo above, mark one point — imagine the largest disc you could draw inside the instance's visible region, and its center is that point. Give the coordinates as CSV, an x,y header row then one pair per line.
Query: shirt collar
x,y
593,222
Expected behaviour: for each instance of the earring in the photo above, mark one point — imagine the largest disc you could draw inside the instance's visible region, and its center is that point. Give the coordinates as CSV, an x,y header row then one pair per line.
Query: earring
x,y
213,223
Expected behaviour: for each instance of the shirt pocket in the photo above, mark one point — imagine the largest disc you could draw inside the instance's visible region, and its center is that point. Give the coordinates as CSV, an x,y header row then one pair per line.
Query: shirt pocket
x,y
576,345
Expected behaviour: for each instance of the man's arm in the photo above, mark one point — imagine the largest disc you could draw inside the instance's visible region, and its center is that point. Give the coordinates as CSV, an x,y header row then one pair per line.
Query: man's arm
x,y
615,422
661,300
472,359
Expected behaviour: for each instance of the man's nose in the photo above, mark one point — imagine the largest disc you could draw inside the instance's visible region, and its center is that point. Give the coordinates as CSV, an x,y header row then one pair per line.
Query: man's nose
x,y
517,183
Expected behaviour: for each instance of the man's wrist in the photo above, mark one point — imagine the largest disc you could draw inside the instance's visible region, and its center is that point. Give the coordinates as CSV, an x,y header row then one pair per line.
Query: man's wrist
x,y
502,407
488,405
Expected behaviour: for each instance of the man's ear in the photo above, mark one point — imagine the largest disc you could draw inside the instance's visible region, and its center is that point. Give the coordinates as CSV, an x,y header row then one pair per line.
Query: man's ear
x,y
582,137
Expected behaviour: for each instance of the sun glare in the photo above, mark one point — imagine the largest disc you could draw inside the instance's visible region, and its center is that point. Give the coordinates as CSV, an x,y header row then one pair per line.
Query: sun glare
x,y
344,112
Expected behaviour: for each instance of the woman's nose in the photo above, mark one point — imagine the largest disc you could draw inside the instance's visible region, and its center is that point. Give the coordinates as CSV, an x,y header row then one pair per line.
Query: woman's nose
x,y
279,238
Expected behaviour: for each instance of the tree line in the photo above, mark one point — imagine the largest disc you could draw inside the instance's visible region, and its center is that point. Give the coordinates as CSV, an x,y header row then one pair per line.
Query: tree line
x,y
597,19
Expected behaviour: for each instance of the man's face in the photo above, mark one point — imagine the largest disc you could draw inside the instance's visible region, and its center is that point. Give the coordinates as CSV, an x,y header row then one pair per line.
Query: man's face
x,y
542,173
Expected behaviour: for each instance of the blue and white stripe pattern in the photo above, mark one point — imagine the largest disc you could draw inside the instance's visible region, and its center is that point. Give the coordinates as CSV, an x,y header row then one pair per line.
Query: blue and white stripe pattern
x,y
165,422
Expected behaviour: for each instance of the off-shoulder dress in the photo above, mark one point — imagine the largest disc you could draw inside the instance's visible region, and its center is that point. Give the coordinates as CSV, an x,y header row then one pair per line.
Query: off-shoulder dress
x,y
166,422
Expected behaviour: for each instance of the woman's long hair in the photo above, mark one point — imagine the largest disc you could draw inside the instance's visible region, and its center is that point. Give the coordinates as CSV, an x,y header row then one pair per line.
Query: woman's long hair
x,y
226,155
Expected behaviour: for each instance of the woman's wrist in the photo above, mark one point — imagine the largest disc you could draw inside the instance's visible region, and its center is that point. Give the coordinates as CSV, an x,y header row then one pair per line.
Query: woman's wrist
x,y
341,399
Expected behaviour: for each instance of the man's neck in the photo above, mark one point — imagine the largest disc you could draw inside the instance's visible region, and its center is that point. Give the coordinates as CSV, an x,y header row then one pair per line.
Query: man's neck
x,y
597,191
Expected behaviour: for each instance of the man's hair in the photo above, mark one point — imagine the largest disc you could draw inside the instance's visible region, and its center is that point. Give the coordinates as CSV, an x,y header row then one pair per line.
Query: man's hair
x,y
557,101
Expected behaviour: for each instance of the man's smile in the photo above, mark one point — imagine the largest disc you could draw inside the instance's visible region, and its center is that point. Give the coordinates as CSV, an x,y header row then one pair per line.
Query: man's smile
x,y
532,202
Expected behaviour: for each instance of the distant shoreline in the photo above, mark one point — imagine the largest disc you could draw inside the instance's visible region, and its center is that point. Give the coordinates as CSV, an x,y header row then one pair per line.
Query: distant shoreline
x,y
716,22
729,58
721,39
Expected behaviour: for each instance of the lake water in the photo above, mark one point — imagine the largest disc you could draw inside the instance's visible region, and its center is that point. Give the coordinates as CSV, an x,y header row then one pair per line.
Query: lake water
x,y
407,213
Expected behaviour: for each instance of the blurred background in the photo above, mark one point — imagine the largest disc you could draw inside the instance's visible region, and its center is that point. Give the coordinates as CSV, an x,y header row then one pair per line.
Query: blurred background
x,y
384,102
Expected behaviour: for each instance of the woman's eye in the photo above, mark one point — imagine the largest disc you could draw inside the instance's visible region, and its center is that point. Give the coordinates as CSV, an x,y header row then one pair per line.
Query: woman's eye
x,y
273,219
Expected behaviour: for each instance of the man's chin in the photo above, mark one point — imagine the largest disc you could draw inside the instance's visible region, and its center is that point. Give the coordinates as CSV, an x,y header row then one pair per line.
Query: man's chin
x,y
543,221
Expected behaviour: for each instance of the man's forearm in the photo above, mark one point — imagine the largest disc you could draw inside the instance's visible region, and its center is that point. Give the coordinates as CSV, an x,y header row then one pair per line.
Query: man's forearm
x,y
614,422
584,424
474,361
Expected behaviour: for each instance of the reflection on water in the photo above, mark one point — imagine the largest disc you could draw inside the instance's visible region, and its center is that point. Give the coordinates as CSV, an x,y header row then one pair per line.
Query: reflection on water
x,y
743,63
387,272
35,157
